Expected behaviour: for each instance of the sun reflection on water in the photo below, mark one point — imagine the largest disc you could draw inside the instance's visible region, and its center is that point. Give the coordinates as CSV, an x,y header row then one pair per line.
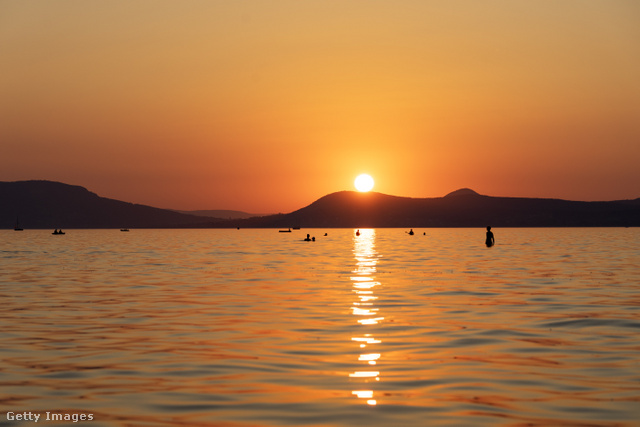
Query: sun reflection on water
x,y
364,284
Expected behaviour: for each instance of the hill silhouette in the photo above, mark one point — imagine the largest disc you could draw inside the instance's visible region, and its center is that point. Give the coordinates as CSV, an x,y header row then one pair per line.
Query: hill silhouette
x,y
462,192
46,204
222,214
461,208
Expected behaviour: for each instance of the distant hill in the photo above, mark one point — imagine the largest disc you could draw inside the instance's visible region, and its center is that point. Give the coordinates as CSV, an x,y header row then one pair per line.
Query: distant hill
x,y
222,214
46,204
461,208
462,192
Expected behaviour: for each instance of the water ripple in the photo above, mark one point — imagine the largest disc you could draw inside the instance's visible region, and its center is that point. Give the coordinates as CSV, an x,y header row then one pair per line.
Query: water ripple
x,y
252,327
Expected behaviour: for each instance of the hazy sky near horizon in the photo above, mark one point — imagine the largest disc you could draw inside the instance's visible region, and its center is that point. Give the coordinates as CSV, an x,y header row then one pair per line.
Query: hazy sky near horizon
x,y
265,106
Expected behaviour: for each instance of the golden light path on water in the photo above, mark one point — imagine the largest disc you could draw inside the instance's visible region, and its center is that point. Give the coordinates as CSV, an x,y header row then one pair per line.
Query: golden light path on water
x,y
365,310
246,328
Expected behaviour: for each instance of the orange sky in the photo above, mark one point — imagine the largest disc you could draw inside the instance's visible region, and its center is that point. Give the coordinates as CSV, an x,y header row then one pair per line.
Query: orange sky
x,y
265,106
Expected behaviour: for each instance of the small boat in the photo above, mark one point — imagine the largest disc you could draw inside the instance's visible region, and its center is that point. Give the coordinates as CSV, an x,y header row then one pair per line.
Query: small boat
x,y
56,232
124,229
285,231
17,227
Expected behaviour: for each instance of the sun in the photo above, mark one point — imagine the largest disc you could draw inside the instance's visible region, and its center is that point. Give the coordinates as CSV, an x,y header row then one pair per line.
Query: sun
x,y
363,183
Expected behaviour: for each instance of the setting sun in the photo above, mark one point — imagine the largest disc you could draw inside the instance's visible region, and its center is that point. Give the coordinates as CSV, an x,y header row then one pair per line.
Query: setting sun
x,y
363,183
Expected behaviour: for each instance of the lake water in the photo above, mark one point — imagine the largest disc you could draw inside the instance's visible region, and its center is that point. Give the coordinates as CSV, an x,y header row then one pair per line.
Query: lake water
x,y
242,328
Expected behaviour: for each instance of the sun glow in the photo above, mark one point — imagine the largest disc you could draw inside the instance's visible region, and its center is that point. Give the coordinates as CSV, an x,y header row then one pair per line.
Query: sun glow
x,y
363,183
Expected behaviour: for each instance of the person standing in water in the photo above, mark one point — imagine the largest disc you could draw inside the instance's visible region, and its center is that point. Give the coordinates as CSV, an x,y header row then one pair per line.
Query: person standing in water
x,y
490,239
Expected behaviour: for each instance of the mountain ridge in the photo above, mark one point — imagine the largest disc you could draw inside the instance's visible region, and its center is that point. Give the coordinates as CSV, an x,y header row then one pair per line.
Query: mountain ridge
x,y
48,204
221,213
462,192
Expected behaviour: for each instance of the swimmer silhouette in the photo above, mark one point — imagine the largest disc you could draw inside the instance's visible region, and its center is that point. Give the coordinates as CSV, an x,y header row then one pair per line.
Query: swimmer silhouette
x,y
411,232
358,233
490,240
308,239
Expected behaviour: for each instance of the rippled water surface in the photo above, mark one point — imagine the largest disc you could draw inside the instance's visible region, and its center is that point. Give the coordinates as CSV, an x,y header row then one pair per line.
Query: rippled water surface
x,y
259,328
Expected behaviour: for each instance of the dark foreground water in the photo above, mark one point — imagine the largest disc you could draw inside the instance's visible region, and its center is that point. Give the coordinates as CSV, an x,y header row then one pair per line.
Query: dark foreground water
x,y
259,328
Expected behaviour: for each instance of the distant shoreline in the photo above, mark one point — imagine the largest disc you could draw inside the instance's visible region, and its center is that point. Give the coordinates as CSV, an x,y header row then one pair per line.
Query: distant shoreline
x,y
51,205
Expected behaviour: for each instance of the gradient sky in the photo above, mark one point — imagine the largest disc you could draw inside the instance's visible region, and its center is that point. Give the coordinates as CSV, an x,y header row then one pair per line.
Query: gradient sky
x,y
265,106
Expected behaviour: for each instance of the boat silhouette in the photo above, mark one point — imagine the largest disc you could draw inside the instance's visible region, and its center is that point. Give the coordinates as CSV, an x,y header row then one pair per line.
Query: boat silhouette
x,y
17,227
